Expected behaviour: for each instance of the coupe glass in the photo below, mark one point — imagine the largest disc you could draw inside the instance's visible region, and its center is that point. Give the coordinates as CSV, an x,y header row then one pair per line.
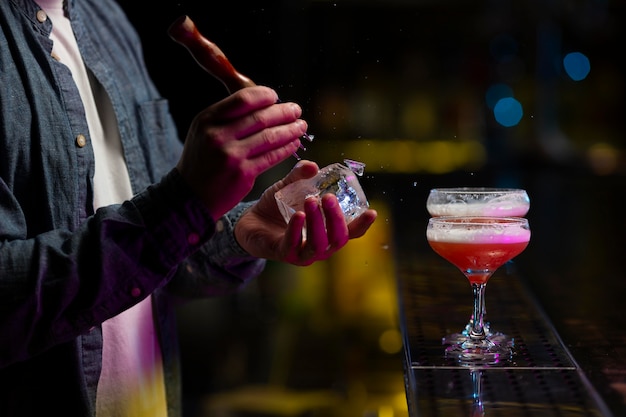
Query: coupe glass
x,y
478,246
477,201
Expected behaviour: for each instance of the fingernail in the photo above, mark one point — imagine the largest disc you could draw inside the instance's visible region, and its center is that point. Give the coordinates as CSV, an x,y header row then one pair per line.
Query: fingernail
x,y
296,108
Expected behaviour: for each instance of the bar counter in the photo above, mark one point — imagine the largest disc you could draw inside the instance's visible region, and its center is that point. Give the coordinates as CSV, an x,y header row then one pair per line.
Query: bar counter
x,y
562,300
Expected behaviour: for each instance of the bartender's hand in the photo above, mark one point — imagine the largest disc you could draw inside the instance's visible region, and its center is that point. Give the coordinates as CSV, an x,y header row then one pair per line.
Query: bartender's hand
x,y
263,233
233,141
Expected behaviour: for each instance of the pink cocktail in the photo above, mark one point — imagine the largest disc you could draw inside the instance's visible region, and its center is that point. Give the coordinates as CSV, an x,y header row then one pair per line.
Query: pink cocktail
x,y
478,246
479,259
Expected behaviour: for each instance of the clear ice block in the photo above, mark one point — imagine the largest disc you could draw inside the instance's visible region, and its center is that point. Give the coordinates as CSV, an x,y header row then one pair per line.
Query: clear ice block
x,y
335,178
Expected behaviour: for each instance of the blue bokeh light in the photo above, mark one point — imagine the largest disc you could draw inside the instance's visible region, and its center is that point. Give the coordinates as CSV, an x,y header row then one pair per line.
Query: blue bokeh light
x,y
576,65
508,111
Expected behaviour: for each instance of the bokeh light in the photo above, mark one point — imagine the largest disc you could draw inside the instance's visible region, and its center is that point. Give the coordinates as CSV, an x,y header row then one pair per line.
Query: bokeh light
x,y
576,65
390,341
508,111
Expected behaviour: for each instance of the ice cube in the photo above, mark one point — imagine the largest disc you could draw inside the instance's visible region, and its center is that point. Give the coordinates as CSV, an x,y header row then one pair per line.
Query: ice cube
x,y
335,178
357,167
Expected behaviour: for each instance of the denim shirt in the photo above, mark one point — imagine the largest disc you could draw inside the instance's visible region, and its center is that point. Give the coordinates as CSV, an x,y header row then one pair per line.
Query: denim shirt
x,y
64,269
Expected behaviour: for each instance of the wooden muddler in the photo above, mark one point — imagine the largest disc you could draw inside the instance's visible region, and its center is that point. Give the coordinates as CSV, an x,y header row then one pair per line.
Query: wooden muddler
x,y
207,54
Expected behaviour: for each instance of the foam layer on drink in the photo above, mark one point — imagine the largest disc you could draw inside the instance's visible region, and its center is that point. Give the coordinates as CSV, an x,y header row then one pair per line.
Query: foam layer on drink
x,y
457,233
502,209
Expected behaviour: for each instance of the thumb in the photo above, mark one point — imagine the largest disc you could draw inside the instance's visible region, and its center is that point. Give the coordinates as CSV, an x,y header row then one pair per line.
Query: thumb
x,y
302,170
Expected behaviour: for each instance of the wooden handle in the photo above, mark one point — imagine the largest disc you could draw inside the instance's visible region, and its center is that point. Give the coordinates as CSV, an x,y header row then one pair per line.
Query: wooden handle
x,y
207,54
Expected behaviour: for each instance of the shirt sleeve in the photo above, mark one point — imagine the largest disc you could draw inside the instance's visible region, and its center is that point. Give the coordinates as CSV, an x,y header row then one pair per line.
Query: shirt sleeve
x,y
220,266
57,285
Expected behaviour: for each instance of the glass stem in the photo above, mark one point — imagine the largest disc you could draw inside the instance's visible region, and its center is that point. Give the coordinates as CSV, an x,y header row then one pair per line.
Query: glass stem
x,y
477,332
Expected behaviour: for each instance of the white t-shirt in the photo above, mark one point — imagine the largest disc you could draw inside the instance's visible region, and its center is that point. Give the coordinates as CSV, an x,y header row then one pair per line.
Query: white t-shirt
x,y
131,383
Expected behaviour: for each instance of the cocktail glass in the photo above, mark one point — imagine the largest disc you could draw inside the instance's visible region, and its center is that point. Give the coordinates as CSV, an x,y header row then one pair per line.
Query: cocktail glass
x,y
478,246
477,201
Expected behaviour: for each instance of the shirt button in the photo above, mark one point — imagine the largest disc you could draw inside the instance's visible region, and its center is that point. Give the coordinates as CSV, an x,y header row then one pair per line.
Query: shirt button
x,y
135,292
41,16
81,141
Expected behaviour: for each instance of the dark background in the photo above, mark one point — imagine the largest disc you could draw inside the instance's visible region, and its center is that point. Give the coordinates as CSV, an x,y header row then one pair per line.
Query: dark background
x,y
401,86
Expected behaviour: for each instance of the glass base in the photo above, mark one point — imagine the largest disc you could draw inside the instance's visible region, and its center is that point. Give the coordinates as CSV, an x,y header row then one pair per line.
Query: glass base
x,y
454,338
488,351
463,336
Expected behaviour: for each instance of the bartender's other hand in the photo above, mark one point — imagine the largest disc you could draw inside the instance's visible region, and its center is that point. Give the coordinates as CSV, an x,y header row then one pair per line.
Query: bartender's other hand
x,y
263,233
233,141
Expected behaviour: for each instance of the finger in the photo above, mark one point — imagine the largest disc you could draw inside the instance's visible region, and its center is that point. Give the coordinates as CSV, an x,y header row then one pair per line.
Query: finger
x,y
302,169
242,102
272,138
266,149
292,240
264,118
336,228
263,162
361,224
316,238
